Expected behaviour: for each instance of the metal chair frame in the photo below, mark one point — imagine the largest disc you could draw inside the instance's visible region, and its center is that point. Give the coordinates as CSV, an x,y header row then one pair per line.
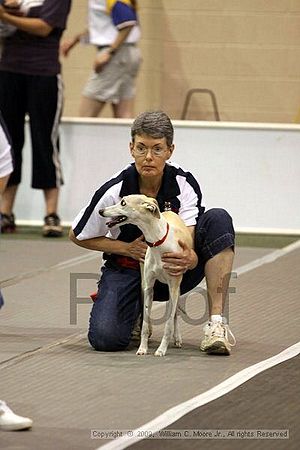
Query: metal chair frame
x,y
189,95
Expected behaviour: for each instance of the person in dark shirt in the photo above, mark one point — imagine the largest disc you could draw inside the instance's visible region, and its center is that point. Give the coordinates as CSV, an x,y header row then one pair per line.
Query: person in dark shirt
x,y
30,83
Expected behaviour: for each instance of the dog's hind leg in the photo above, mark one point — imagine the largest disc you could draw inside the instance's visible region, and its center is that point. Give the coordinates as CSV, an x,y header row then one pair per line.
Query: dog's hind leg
x,y
169,327
177,334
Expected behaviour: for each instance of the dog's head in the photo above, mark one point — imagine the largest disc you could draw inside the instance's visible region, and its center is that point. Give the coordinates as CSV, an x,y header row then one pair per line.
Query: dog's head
x,y
133,209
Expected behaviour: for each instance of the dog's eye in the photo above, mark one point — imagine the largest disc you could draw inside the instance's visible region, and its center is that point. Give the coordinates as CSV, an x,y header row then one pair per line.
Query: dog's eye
x,y
123,203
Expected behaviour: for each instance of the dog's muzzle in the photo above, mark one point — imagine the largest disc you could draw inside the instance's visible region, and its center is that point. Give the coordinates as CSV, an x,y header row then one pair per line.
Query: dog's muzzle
x,y
115,220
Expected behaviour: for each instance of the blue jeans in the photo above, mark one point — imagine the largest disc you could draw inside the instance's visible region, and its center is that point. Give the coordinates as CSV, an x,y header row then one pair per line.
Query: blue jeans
x,y
118,301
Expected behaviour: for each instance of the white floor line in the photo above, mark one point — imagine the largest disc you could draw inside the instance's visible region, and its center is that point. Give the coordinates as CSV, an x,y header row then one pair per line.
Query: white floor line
x,y
79,259
119,443
175,413
59,266
16,359
269,258
95,255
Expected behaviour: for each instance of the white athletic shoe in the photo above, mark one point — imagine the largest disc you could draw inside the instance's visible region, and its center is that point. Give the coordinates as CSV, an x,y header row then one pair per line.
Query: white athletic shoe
x,y
9,421
216,339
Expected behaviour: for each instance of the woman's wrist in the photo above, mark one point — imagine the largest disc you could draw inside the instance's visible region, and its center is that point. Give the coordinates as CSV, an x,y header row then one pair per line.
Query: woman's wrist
x,y
194,260
111,50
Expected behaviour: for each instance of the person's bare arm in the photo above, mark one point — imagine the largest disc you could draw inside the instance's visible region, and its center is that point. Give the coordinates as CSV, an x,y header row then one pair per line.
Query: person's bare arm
x,y
104,57
67,44
136,249
121,37
31,25
12,4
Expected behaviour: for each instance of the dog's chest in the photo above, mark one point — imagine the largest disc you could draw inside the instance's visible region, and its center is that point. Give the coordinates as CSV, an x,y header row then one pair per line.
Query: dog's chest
x,y
154,265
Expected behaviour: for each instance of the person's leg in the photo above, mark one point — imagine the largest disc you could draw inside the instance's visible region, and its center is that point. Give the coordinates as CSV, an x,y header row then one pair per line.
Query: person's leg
x,y
89,107
214,240
45,101
115,310
123,109
8,199
130,58
51,199
217,273
98,91
13,104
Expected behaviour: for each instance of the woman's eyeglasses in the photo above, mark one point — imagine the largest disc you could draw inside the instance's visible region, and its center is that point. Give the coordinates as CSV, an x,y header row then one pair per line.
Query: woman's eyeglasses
x,y
142,151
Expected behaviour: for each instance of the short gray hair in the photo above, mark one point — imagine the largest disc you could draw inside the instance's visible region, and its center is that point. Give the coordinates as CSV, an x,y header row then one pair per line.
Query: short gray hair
x,y
155,124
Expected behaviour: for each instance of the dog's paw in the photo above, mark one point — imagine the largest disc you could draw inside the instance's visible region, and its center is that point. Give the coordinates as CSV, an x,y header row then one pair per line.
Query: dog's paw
x,y
141,351
160,352
178,343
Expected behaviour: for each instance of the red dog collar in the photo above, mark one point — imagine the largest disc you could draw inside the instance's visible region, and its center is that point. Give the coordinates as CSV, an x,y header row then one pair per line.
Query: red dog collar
x,y
161,241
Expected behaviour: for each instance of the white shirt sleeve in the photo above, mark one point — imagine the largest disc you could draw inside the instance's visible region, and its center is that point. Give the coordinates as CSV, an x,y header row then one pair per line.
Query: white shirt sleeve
x,y
89,224
189,209
6,163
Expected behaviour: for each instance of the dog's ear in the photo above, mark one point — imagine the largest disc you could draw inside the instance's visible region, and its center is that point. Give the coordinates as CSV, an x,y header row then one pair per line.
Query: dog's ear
x,y
153,208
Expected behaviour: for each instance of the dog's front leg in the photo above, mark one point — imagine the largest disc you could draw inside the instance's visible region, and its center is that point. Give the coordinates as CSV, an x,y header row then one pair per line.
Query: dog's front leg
x,y
146,327
147,294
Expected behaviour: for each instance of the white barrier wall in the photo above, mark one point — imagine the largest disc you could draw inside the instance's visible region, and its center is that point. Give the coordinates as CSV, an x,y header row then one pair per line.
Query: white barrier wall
x,y
252,170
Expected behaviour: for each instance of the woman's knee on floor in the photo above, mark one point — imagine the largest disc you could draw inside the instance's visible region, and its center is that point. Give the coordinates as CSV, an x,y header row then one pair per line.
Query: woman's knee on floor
x,y
108,338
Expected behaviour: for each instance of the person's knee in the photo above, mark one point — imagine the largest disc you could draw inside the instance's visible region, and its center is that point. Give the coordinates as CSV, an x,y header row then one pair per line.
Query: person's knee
x,y
107,339
217,220
214,232
219,214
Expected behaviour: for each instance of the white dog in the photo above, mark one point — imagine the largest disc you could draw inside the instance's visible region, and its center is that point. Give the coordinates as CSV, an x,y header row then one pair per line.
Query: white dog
x,y
162,232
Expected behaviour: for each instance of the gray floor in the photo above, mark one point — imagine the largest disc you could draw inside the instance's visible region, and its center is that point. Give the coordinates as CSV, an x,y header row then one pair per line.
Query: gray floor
x,y
49,372
263,403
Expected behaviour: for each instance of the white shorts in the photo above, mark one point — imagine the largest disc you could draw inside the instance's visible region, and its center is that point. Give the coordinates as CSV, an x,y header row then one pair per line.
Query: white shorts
x,y
116,81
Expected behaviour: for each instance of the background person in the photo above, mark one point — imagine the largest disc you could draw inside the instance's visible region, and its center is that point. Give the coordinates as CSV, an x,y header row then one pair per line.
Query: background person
x,y
18,7
30,82
118,302
113,28
8,419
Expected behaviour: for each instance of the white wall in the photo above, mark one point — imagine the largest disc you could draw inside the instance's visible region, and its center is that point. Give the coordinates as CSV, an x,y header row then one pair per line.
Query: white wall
x,y
252,170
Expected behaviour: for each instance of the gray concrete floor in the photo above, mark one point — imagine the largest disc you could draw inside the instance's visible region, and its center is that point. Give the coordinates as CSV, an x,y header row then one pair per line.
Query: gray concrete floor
x,y
49,372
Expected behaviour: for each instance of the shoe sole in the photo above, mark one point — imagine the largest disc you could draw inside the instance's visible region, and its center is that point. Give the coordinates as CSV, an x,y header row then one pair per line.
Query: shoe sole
x,y
52,233
14,427
217,348
8,230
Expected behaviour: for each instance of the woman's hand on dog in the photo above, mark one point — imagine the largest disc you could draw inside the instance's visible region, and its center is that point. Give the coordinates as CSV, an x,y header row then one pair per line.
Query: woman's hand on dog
x,y
137,249
177,263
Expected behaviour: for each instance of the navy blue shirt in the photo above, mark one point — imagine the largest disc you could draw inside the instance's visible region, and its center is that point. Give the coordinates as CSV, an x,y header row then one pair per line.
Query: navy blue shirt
x,y
179,190
36,55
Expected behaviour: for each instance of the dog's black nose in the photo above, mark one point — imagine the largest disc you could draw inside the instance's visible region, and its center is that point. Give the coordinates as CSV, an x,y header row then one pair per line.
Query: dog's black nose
x,y
101,212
